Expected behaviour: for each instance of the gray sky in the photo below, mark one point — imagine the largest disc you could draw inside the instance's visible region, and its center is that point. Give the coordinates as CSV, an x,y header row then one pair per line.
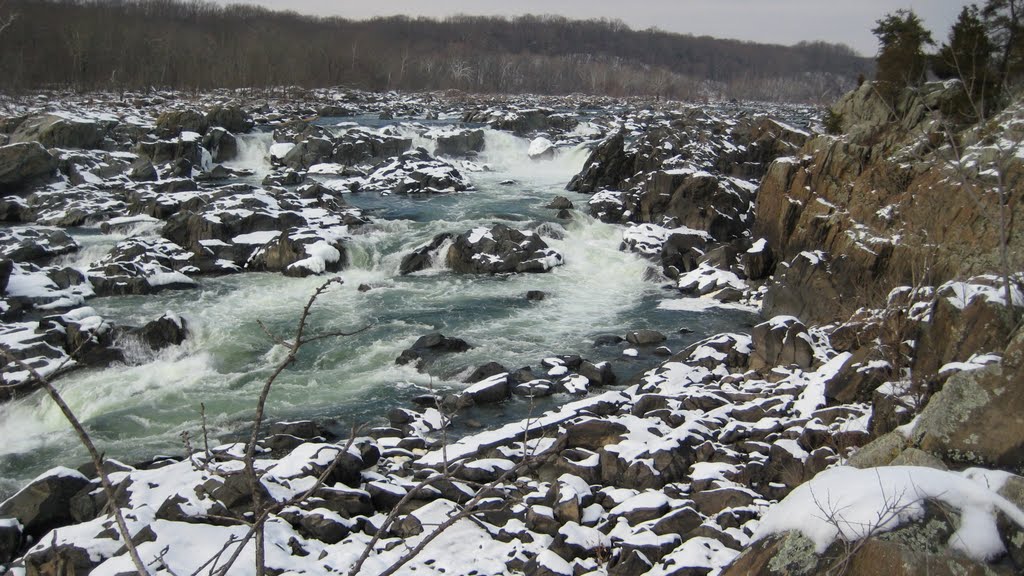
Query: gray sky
x,y
775,21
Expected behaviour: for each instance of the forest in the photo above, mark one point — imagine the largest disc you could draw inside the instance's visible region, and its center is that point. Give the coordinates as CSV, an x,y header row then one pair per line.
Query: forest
x,y
195,45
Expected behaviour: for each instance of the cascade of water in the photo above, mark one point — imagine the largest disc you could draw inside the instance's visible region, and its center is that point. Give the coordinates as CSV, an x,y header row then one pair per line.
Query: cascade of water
x,y
253,152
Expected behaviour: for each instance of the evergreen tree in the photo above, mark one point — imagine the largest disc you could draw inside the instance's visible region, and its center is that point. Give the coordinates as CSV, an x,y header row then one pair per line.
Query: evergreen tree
x,y
968,56
1004,20
901,58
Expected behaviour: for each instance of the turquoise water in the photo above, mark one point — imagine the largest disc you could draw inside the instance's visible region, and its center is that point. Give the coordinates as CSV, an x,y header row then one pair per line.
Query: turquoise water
x,y
138,411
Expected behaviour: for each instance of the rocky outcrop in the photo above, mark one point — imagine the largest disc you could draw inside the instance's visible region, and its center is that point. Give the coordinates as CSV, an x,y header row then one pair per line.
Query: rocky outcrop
x,y
415,172
500,250
878,198
459,143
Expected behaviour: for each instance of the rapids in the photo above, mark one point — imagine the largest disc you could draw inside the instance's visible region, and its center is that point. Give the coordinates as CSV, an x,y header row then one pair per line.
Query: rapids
x,y
138,411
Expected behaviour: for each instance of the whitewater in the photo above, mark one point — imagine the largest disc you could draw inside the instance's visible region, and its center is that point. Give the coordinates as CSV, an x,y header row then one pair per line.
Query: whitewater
x,y
145,409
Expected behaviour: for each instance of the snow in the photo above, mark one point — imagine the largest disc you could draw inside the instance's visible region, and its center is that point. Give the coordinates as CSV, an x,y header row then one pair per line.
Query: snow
x,y
850,504
539,146
256,237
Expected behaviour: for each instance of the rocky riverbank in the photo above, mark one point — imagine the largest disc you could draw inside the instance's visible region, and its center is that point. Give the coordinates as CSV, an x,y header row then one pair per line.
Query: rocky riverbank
x,y
871,423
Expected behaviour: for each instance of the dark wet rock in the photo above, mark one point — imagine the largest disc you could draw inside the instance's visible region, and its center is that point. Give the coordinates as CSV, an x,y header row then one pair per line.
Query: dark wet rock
x,y
501,250
428,347
424,256
608,340
535,295
645,337
167,330
288,177
485,371
360,146
10,540
460,143
607,167
45,503
560,203
24,164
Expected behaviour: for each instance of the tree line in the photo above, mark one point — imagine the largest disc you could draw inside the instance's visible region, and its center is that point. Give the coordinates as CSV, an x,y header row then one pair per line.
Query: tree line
x,y
133,44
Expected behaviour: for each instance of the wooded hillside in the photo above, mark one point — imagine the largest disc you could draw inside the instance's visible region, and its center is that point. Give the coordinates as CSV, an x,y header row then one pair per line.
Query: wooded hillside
x,y
112,44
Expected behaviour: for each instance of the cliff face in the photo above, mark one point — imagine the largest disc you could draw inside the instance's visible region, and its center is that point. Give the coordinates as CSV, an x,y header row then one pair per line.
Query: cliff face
x,y
887,203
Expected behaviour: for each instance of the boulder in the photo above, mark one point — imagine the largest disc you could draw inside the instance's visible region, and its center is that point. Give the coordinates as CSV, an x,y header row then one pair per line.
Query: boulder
x,y
645,337
606,167
501,250
781,341
143,171
45,503
229,117
977,419
167,330
423,257
57,131
560,203
222,144
173,122
24,164
428,347
459,143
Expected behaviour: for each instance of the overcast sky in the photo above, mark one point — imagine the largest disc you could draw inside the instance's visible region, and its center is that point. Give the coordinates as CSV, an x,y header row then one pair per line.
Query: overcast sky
x,y
776,21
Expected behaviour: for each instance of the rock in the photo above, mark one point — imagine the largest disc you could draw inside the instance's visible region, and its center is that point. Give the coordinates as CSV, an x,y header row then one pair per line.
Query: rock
x,y
805,287
711,502
426,348
173,122
490,390
45,503
167,330
415,172
485,371
24,164
535,295
608,340
309,152
560,203
501,250
645,337
300,252
143,171
460,143
36,244
781,341
10,540
187,147
879,452
858,377
325,527
141,266
541,149
57,131
606,167
230,118
977,419
222,144
424,256
600,374
758,261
